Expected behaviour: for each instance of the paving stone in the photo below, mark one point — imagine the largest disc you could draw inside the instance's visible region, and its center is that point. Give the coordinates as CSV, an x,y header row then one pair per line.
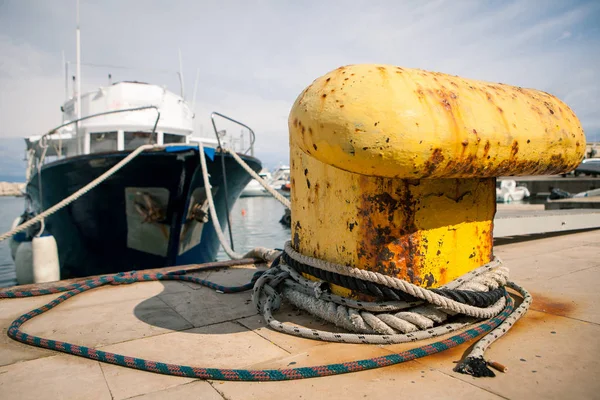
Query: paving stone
x,y
226,345
551,353
120,293
408,380
292,315
105,324
199,390
59,377
12,351
205,306
548,357
573,295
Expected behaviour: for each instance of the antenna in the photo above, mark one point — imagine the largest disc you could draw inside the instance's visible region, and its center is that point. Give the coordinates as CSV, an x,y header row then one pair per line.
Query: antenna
x,y
86,144
66,67
181,75
195,90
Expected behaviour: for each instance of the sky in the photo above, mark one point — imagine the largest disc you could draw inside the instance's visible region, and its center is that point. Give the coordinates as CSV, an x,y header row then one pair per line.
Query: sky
x,y
253,58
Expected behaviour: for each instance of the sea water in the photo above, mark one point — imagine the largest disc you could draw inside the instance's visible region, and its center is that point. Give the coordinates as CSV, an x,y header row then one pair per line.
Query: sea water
x,y
254,221
10,208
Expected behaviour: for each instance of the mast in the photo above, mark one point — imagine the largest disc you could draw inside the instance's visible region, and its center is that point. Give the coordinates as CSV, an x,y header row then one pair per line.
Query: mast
x,y
66,68
195,90
86,142
181,75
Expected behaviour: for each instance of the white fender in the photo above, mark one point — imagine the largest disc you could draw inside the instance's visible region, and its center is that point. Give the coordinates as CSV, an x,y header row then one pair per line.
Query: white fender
x,y
12,243
46,267
24,263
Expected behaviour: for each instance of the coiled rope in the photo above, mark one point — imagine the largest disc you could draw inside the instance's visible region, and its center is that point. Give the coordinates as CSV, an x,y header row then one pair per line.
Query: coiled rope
x,y
388,322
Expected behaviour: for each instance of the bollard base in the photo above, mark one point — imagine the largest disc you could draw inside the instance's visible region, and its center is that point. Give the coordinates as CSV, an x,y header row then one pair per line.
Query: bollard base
x,y
425,231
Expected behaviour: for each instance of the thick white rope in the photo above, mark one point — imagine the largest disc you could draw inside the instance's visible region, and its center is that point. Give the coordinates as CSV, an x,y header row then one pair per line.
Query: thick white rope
x,y
405,321
259,252
211,207
481,346
366,338
386,328
389,281
65,202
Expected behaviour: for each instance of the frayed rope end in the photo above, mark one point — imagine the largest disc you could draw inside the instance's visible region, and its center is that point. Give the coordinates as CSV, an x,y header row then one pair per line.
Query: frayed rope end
x,y
475,366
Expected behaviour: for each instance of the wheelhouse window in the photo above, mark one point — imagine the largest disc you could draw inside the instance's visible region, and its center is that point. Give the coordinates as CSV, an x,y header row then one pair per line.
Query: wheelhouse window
x,y
173,138
103,141
133,140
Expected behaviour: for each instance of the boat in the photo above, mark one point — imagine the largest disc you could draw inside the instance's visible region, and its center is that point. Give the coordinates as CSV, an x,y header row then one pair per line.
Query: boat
x,y
588,166
559,194
509,191
281,180
255,189
151,213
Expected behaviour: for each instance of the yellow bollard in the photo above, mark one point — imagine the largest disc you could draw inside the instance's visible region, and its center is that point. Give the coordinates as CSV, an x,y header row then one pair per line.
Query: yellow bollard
x,y
393,169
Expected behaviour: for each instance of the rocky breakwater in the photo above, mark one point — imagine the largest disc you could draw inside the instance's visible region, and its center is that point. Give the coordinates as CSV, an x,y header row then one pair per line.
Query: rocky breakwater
x,y
11,189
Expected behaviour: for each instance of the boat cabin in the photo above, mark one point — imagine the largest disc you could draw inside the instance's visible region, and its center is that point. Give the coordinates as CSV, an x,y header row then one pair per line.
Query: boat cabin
x,y
156,116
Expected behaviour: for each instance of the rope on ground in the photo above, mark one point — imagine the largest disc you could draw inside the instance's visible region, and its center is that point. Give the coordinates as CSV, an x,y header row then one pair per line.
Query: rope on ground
x,y
219,373
483,296
375,322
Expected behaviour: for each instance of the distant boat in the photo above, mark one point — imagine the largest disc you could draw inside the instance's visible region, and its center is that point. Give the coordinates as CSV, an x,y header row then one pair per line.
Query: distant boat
x,y
589,166
255,189
281,180
509,192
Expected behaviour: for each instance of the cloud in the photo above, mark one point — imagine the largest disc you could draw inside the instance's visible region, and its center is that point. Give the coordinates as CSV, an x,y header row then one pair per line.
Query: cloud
x,y
565,35
30,95
256,57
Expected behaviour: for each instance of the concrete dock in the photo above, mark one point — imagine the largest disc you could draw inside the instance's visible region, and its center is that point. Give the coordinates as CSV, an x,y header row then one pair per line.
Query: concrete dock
x,y
551,353
542,185
574,203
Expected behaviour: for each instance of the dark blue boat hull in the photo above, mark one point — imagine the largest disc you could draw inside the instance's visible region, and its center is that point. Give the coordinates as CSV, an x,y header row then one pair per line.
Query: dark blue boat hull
x,y
107,230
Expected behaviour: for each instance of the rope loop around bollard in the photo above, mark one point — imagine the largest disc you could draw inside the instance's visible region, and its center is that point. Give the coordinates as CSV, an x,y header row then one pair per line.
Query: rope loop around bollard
x,y
384,293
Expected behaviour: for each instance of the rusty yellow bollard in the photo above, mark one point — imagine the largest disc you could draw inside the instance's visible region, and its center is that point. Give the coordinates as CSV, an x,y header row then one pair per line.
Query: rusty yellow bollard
x,y
393,169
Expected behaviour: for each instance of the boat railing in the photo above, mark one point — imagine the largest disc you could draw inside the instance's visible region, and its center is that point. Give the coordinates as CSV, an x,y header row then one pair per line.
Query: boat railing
x,y
251,132
223,170
39,151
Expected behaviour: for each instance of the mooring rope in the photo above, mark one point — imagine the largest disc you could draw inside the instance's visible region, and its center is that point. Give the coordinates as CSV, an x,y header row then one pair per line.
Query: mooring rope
x,y
259,252
72,290
389,326
211,204
68,200
411,315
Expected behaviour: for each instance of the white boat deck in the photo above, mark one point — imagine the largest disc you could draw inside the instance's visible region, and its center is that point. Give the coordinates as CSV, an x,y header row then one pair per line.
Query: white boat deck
x,y
552,353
